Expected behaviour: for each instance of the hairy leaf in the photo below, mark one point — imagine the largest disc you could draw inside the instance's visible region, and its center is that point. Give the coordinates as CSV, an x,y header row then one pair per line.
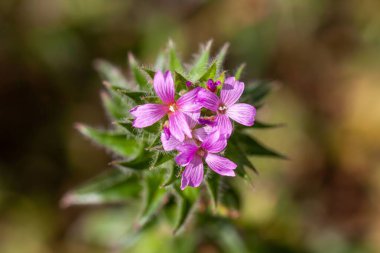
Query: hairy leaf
x,y
113,186
119,144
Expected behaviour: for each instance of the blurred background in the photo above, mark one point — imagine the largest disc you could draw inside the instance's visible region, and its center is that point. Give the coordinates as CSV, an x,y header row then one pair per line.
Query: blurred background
x,y
323,54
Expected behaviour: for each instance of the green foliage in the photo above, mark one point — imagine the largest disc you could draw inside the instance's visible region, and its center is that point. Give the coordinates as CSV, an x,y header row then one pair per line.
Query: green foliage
x,y
143,170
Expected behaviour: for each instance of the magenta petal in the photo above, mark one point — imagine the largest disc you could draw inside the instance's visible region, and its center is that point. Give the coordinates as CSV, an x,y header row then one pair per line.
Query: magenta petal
x,y
187,152
242,113
164,87
187,102
192,118
148,114
178,126
202,133
223,124
170,143
215,143
231,91
208,100
221,165
193,174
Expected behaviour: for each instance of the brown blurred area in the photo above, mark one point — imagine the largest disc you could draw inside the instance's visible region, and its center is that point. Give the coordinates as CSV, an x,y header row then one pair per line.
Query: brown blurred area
x,y
323,54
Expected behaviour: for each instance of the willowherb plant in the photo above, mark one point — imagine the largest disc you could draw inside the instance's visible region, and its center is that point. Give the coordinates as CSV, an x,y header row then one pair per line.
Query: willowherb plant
x,y
177,132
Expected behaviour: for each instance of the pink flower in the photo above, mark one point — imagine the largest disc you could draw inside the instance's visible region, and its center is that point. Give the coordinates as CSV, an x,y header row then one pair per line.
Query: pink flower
x,y
226,107
191,155
177,111
169,142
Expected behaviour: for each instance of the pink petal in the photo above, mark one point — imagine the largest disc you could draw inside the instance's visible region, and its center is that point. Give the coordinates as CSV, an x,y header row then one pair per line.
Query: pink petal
x,y
178,125
242,113
192,118
215,143
187,152
221,165
208,100
187,102
223,124
148,114
170,143
193,174
231,91
164,87
202,133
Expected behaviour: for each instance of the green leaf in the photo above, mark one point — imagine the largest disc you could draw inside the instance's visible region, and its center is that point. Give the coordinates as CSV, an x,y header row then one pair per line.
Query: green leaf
x,y
119,144
200,65
188,198
173,175
230,199
256,92
138,73
253,147
180,81
154,195
142,162
213,184
113,186
262,125
150,72
127,125
210,73
230,240
112,74
239,156
135,96
174,61
220,58
114,105
239,71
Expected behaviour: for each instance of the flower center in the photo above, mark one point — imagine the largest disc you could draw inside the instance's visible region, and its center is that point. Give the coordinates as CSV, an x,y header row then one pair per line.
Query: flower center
x,y
201,152
172,107
222,109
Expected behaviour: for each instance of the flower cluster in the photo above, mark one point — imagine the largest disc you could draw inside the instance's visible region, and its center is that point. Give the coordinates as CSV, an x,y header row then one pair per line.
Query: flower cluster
x,y
199,123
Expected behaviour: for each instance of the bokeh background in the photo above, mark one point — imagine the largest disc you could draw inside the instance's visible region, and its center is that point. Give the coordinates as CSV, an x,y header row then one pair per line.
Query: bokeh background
x,y
323,54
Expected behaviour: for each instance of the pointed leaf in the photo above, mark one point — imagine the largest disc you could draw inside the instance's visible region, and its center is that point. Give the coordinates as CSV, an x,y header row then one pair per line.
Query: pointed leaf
x,y
138,74
253,147
188,198
220,58
154,195
112,74
135,96
113,186
200,65
239,71
174,61
114,105
213,184
210,73
256,92
262,125
119,144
